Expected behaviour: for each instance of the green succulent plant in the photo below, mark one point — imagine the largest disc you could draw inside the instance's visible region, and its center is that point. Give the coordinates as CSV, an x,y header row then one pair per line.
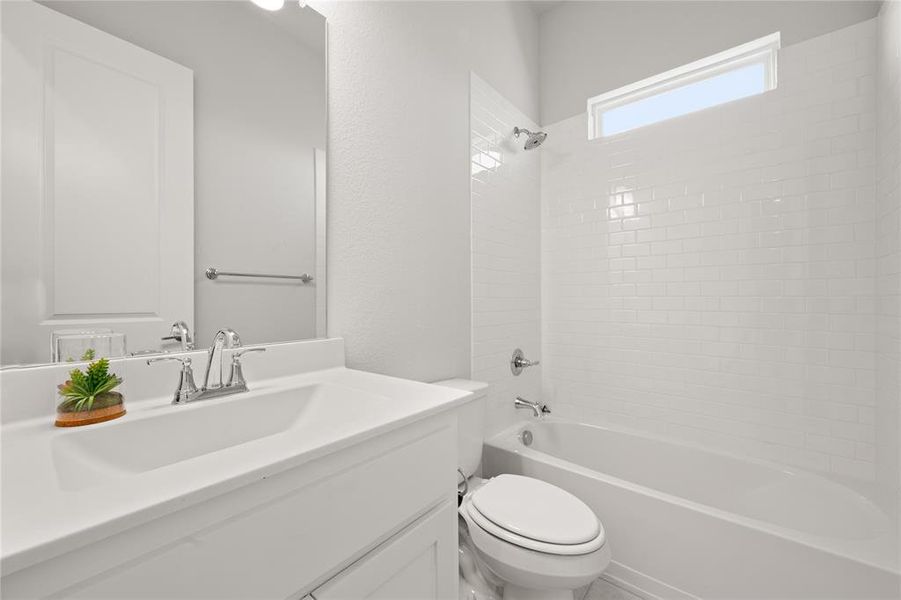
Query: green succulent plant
x,y
82,389
86,356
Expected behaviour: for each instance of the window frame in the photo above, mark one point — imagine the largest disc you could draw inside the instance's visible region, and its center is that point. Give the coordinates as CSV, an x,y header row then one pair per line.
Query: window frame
x,y
762,50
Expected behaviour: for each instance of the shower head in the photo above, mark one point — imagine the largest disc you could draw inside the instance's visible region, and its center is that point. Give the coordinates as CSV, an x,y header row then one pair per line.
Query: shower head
x,y
534,139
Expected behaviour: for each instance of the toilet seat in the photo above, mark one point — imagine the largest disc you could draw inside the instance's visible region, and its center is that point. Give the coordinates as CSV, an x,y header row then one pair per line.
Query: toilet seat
x,y
535,515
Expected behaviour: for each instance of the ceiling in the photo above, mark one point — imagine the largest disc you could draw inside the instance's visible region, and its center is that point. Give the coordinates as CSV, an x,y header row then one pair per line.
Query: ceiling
x,y
303,24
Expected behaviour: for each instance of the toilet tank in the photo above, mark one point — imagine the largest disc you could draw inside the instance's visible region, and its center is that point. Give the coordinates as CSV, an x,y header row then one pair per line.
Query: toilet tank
x,y
470,423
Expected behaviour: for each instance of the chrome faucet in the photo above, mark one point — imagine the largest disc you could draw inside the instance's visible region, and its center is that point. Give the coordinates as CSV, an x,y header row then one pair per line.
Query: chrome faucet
x,y
224,338
538,409
187,391
520,362
181,333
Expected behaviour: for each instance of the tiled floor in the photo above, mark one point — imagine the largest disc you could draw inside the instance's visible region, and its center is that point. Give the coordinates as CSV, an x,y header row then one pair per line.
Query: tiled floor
x,y
604,590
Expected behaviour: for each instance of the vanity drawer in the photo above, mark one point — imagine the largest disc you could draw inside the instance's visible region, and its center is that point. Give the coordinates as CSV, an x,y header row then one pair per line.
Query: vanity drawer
x,y
420,563
286,546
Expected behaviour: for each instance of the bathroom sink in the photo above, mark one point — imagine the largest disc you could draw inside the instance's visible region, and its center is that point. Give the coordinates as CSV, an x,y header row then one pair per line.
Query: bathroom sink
x,y
65,488
181,433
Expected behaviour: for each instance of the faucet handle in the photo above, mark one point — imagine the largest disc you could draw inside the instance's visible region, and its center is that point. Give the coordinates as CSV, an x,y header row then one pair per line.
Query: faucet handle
x,y
181,333
237,375
519,362
186,386
244,351
184,360
232,339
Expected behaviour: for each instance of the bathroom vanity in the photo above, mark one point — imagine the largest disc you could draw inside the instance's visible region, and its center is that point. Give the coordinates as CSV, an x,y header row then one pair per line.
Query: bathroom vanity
x,y
320,481
169,187
317,480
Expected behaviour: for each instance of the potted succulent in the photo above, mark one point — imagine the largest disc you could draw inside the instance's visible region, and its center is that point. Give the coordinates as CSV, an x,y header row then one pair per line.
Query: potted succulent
x,y
88,396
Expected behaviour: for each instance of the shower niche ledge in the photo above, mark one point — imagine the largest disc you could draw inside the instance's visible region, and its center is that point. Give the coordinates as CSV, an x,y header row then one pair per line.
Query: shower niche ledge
x,y
343,472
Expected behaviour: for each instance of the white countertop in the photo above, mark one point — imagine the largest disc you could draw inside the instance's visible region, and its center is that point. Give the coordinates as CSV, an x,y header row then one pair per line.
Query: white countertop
x,y
43,518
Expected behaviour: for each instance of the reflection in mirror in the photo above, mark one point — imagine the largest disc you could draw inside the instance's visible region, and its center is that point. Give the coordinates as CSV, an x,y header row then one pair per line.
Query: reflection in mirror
x,y
173,137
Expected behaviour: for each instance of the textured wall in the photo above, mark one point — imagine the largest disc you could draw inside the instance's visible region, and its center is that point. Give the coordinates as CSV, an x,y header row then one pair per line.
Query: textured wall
x,y
506,271
588,48
712,278
888,239
399,205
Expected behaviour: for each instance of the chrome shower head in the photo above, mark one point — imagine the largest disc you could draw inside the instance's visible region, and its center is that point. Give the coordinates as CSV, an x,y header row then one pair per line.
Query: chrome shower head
x,y
534,139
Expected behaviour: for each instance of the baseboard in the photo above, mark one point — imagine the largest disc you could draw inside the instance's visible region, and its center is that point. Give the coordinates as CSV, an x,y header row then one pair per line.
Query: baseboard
x,y
642,585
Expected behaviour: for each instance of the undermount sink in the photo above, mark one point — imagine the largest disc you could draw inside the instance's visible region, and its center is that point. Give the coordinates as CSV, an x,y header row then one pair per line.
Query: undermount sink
x,y
88,457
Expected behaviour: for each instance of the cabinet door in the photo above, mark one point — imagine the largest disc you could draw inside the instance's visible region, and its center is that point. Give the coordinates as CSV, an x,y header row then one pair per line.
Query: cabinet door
x,y
419,564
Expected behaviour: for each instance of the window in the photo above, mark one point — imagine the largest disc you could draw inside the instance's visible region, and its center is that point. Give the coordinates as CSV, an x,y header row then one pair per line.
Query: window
x,y
740,72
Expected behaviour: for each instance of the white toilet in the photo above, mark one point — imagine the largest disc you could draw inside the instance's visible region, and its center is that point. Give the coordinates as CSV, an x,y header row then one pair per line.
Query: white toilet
x,y
540,541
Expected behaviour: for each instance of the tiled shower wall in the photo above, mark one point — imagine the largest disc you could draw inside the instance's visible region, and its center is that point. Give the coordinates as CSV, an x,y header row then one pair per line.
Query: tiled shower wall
x,y
505,252
712,278
888,235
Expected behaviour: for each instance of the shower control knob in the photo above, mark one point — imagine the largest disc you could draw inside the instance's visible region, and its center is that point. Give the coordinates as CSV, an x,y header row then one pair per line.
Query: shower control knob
x,y
520,362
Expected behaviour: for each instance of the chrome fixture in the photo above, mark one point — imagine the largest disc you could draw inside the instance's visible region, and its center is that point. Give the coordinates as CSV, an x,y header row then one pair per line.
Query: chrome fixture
x,y
214,273
465,484
520,362
224,338
538,409
186,390
533,139
182,334
526,437
237,375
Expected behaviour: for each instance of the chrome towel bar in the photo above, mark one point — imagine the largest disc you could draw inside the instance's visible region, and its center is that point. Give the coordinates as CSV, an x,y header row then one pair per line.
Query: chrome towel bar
x,y
214,273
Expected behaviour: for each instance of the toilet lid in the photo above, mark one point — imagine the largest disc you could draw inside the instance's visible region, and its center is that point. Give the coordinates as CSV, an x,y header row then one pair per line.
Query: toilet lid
x,y
536,510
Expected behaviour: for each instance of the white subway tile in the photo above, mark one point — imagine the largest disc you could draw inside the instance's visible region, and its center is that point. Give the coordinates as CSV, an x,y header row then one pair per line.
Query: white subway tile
x,y
732,302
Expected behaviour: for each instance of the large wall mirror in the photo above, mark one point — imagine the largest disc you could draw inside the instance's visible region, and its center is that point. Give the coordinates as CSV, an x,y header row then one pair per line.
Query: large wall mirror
x,y
163,162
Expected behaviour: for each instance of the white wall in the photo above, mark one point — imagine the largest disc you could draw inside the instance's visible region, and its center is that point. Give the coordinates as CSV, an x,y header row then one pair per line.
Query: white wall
x,y
588,48
711,278
888,240
506,261
399,207
259,98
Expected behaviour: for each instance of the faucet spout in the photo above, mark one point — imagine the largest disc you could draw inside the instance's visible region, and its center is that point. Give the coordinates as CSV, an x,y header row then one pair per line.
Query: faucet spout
x,y
212,384
225,338
538,409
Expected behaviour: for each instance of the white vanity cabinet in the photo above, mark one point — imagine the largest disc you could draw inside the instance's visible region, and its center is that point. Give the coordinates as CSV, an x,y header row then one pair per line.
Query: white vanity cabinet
x,y
412,566
374,520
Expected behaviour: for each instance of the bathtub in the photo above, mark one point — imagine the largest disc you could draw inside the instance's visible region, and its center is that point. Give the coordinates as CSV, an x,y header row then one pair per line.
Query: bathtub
x,y
684,522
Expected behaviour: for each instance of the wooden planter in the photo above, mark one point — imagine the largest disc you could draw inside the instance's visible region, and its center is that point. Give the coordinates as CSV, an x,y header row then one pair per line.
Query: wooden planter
x,y
106,407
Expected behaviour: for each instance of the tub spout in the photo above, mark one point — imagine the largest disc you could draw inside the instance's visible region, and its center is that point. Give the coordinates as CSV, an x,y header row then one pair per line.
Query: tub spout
x,y
539,410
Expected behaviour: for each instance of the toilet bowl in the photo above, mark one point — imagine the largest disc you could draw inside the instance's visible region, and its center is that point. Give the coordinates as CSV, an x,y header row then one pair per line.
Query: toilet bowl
x,y
538,540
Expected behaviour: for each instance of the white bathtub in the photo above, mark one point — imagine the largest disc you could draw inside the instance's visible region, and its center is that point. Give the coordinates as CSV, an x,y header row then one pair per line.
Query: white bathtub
x,y
685,522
